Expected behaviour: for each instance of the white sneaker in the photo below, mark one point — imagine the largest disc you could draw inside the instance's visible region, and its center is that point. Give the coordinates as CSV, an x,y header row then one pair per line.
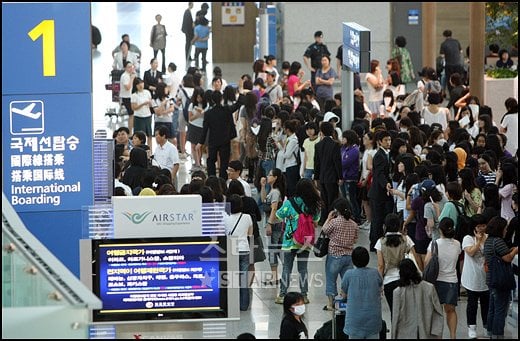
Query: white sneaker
x,y
472,331
365,225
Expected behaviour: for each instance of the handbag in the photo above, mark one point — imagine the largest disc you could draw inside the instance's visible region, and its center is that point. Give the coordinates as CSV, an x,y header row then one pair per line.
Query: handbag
x,y
321,246
501,275
258,250
431,270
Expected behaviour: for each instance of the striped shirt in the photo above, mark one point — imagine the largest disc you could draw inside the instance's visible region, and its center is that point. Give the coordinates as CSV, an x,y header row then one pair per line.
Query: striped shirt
x,y
343,234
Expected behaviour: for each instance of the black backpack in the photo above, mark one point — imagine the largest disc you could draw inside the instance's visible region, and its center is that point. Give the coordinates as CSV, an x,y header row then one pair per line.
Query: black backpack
x,y
463,227
186,105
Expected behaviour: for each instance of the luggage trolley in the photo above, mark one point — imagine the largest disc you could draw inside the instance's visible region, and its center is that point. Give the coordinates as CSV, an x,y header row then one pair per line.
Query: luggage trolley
x,y
115,114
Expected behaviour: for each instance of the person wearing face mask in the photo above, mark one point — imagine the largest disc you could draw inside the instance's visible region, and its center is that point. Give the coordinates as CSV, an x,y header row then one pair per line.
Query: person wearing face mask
x,y
292,326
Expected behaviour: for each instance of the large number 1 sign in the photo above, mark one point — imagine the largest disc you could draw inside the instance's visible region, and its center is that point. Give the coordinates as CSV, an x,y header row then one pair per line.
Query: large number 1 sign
x,y
45,29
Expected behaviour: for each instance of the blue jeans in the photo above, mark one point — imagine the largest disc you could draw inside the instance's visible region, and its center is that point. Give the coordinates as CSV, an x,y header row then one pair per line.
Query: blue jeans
x,y
288,260
498,305
243,266
334,266
308,173
371,337
349,190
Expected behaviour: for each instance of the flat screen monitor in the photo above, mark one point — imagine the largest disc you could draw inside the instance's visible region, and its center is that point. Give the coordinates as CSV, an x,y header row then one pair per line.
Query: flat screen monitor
x,y
143,279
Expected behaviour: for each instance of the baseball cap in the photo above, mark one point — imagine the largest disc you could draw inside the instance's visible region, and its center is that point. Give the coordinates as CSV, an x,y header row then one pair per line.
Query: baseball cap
x,y
427,185
272,73
318,34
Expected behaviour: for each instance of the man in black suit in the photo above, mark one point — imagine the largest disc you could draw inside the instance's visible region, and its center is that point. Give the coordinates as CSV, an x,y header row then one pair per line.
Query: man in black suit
x,y
380,199
327,168
187,29
152,77
219,121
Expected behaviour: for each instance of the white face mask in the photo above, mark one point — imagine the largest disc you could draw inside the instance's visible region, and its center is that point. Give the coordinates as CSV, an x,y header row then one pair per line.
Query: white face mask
x,y
299,310
441,142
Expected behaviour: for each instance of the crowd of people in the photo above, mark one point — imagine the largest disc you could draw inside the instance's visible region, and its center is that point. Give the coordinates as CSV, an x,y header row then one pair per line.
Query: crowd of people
x,y
412,166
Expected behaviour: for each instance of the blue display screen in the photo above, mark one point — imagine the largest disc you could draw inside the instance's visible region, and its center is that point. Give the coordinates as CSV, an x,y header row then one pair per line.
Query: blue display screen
x,y
154,278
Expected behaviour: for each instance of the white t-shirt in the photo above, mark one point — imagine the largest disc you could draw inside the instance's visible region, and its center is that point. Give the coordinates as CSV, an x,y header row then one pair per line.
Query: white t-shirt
x,y
392,274
364,171
140,97
449,250
510,121
438,117
125,79
166,155
473,275
240,232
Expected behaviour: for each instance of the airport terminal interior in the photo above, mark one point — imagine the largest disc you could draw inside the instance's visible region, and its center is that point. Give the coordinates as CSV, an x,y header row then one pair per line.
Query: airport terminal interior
x,y
264,316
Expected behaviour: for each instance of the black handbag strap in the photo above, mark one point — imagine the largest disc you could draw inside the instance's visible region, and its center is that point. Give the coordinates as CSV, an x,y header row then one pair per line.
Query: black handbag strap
x,y
236,224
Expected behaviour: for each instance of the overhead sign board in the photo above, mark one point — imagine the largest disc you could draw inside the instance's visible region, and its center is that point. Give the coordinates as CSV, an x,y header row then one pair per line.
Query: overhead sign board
x,y
356,47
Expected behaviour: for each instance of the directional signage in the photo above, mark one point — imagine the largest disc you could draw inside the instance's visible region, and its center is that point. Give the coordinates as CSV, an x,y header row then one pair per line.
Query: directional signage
x,y
356,47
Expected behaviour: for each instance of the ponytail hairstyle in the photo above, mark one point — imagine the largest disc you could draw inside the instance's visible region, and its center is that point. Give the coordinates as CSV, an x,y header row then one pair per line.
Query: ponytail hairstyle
x,y
343,207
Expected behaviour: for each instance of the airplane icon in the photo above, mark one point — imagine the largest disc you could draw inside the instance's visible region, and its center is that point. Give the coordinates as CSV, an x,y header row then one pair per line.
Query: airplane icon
x,y
27,117
27,111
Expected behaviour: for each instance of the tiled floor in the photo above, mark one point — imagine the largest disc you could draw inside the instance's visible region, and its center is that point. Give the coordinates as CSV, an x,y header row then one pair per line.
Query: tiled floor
x,y
263,319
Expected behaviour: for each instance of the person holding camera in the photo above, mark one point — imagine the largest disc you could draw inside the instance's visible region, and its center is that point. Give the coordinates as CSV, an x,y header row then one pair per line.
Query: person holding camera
x,y
343,234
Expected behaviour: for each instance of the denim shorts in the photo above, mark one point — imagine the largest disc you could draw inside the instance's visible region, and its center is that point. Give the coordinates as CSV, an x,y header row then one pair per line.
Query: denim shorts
x,y
448,292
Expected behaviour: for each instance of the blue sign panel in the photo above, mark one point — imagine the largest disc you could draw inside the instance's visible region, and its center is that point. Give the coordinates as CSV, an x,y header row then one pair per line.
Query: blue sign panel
x,y
356,47
356,36
47,151
46,48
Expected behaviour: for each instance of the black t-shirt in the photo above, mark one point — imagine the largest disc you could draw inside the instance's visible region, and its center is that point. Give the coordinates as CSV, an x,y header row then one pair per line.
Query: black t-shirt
x,y
315,52
292,329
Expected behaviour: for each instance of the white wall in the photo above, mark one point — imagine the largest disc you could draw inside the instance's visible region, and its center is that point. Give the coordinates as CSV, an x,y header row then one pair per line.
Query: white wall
x,y
300,20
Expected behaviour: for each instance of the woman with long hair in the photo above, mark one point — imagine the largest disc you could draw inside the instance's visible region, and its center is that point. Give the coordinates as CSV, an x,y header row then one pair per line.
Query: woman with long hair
x,y
412,318
391,250
196,111
498,298
447,282
365,180
267,149
249,206
309,201
272,193
507,176
471,192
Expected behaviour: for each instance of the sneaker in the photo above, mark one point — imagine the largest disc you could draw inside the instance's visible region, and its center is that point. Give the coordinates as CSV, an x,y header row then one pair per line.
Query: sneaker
x,y
365,225
472,331
279,299
305,299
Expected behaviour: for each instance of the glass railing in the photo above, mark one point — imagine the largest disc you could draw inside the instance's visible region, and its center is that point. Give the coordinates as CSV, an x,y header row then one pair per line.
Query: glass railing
x,y
41,298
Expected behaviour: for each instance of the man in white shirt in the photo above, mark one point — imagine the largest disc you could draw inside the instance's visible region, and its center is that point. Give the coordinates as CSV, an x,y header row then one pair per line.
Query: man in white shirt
x,y
233,171
166,154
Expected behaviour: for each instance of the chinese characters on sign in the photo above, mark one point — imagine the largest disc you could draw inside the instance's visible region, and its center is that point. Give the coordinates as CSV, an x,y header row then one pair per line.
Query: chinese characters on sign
x,y
38,159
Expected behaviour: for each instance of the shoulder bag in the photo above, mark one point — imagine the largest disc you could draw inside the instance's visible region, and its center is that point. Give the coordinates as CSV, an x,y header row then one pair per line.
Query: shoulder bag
x,y
431,270
501,275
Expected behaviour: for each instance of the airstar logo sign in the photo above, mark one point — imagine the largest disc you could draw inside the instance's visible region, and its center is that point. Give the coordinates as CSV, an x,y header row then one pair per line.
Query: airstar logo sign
x,y
136,218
